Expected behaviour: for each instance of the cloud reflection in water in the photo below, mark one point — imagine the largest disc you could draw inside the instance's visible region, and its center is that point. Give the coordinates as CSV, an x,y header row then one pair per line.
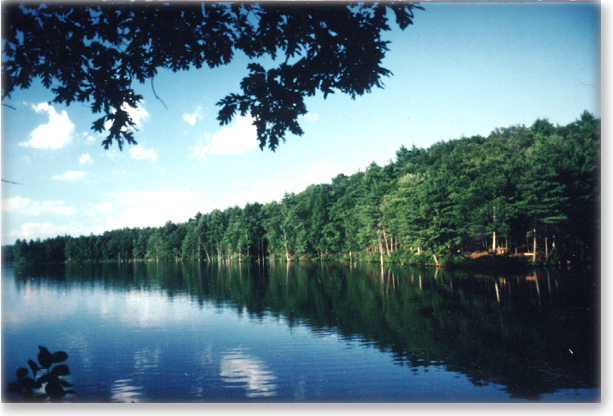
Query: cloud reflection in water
x,y
243,370
123,392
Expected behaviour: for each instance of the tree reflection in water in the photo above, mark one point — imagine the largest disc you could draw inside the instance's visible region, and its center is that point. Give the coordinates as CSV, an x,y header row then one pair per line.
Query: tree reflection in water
x,y
534,334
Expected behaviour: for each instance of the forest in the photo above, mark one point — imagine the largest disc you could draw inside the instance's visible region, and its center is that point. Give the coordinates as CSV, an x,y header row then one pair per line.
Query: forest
x,y
531,193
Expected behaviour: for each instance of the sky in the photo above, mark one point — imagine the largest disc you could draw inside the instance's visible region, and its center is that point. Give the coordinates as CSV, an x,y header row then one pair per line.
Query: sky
x,y
459,70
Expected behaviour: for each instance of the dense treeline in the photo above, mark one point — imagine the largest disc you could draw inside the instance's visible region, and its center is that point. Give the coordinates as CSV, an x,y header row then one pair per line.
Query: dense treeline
x,y
526,191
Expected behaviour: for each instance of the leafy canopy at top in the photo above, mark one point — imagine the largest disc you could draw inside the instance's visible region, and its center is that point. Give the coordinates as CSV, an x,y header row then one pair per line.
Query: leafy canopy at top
x,y
91,53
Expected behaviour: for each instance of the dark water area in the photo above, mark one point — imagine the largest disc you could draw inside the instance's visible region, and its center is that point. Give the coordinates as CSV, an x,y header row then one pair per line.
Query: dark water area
x,y
331,332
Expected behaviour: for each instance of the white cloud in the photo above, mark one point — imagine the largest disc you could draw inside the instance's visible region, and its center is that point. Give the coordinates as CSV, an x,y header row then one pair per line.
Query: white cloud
x,y
89,139
320,173
235,138
85,159
139,152
31,230
70,176
54,134
27,206
152,208
199,151
261,191
105,206
312,117
195,116
267,190
138,114
91,212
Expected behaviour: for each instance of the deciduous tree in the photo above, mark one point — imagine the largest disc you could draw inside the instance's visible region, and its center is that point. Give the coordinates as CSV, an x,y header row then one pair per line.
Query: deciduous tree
x,y
93,52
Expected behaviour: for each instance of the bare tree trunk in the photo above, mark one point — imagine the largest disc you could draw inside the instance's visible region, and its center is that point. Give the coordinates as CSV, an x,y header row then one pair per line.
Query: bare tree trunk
x,y
285,241
387,247
494,233
553,243
380,246
546,249
534,245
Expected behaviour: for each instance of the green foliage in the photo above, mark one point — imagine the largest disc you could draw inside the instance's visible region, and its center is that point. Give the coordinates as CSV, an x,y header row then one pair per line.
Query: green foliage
x,y
456,197
451,259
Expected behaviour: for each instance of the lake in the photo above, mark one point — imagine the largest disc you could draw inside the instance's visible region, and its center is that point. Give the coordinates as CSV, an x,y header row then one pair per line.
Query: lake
x,y
316,332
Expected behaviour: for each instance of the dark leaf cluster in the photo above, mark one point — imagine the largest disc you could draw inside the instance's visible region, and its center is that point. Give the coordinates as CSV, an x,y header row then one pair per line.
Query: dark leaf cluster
x,y
91,53
47,386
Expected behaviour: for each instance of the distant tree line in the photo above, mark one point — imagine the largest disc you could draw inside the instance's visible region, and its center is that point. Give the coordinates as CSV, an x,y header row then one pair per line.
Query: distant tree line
x,y
527,191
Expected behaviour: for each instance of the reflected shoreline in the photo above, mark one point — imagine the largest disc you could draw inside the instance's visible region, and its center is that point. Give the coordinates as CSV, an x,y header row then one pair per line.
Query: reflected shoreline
x,y
533,333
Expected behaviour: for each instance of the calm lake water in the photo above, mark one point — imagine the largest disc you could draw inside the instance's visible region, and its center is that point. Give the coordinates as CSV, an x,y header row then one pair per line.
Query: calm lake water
x,y
326,332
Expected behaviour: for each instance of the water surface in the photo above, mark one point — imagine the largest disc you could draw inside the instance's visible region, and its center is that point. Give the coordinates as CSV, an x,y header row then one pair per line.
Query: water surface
x,y
315,332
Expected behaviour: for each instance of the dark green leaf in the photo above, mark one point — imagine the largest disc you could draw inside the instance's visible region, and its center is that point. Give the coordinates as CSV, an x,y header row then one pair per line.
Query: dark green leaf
x,y
45,359
29,383
46,378
33,366
54,390
60,370
60,356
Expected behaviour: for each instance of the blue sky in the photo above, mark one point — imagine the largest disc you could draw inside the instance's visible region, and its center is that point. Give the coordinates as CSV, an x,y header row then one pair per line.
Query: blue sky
x,y
461,69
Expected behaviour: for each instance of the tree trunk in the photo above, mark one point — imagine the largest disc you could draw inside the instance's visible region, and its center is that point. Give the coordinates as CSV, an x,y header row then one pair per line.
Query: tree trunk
x,y
387,247
435,259
494,233
285,241
546,249
380,246
534,245
199,249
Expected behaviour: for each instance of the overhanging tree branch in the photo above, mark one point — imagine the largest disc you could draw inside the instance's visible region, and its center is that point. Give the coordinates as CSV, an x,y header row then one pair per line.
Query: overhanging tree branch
x,y
91,53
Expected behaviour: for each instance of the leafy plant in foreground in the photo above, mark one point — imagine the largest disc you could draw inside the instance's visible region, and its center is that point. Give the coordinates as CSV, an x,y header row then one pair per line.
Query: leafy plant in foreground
x,y
49,385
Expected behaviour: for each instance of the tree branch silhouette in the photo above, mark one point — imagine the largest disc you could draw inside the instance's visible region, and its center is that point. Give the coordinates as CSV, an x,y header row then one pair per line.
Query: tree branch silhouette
x,y
92,53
